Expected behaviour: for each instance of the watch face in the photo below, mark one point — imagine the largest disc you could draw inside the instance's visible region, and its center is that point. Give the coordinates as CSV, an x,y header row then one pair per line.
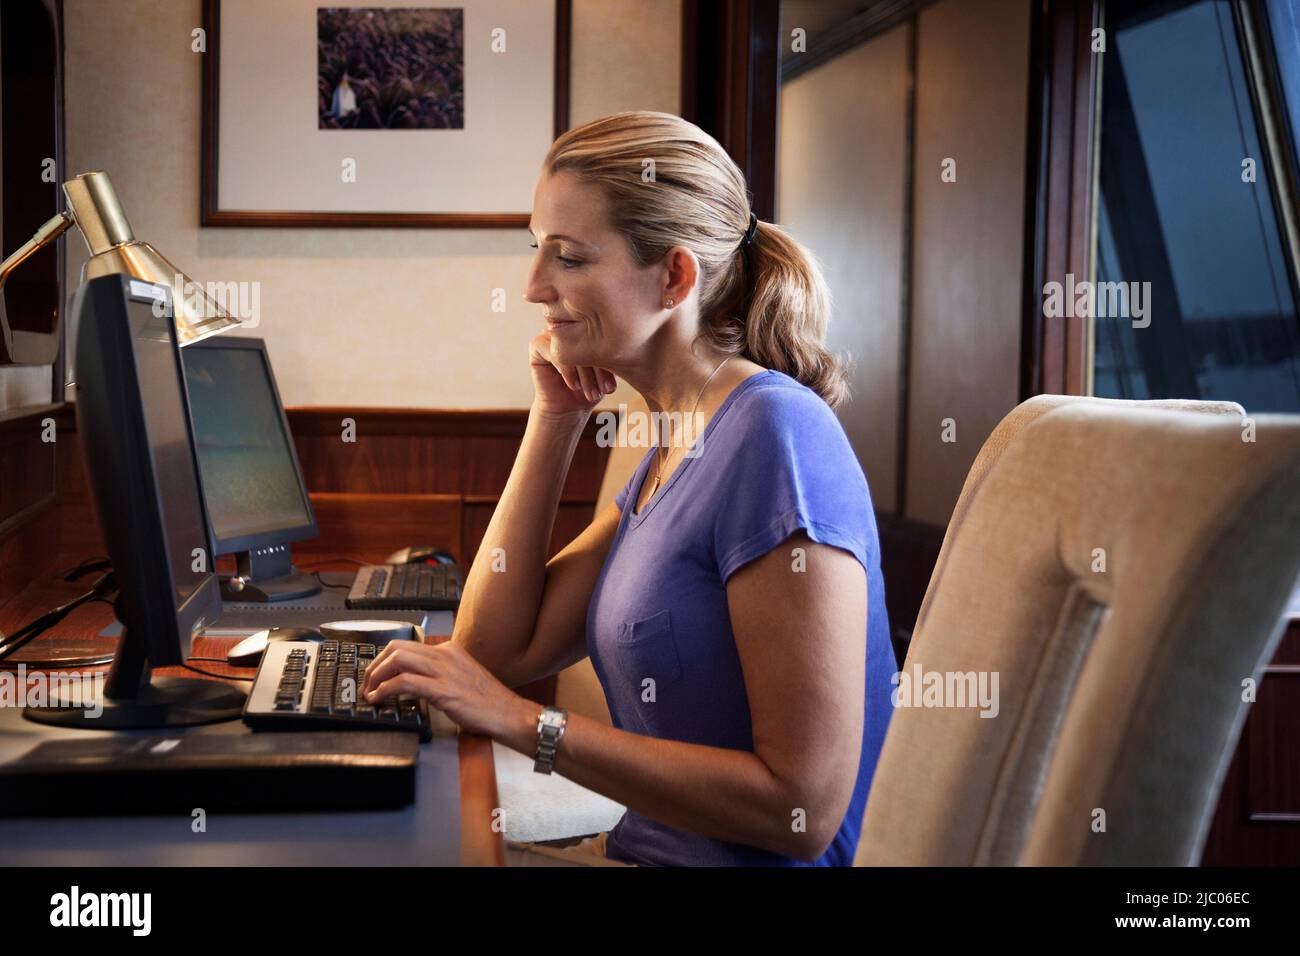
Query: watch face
x,y
552,719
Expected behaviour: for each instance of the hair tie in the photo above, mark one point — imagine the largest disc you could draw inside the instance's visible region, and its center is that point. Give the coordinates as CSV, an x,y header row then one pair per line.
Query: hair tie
x,y
749,233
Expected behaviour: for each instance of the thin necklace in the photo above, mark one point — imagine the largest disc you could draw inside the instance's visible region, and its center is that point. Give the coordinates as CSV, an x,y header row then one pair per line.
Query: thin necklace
x,y
663,463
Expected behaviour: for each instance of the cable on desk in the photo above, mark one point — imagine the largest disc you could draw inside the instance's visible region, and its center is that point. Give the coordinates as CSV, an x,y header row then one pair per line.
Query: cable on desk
x,y
98,562
337,587
106,585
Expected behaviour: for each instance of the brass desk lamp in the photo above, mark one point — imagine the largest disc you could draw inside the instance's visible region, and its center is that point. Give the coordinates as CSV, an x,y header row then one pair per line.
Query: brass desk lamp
x,y
93,207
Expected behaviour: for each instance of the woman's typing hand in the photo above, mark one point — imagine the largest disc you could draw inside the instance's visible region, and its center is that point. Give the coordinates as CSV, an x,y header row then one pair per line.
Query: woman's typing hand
x,y
449,678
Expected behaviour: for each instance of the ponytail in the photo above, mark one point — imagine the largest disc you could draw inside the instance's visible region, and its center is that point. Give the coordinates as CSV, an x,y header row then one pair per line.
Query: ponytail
x,y
778,313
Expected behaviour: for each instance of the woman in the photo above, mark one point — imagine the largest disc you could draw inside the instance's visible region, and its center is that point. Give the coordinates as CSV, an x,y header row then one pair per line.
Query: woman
x,y
731,599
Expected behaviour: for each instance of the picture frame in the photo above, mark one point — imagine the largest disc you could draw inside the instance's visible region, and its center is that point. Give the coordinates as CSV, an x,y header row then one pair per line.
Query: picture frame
x,y
436,164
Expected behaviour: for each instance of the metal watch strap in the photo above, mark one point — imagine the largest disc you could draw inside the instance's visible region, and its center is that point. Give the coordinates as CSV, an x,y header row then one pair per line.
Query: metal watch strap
x,y
549,734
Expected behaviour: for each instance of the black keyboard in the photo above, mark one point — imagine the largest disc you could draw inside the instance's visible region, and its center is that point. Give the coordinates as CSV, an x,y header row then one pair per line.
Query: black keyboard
x,y
379,587
306,685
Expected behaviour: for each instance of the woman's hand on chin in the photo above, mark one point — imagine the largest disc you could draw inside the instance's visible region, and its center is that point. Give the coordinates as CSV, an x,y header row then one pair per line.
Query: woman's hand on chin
x,y
565,389
451,679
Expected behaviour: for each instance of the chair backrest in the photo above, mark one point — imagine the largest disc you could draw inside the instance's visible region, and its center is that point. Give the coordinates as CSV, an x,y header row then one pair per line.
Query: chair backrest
x,y
1082,580
1024,414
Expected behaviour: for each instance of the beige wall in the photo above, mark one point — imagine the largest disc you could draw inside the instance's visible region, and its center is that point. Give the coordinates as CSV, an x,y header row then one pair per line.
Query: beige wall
x,y
351,316
840,180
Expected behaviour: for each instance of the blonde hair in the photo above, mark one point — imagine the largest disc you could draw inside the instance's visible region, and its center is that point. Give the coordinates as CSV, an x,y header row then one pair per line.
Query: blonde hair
x,y
669,183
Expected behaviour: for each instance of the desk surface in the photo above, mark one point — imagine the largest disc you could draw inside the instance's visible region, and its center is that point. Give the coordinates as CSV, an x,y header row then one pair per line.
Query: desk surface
x,y
450,822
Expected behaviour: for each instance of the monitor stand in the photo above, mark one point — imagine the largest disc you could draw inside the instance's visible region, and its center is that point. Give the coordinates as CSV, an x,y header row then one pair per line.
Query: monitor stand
x,y
266,575
132,699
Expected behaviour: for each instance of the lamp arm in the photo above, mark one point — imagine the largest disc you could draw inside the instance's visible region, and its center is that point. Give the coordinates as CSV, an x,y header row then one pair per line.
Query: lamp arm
x,y
54,227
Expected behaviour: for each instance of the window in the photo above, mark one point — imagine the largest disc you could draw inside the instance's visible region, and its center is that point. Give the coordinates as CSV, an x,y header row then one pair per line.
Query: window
x,y
1190,218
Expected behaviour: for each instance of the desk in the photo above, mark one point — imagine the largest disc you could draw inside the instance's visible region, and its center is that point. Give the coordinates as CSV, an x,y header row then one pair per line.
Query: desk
x,y
455,774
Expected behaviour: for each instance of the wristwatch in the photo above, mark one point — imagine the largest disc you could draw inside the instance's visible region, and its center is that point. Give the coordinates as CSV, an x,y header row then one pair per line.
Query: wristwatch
x,y
550,731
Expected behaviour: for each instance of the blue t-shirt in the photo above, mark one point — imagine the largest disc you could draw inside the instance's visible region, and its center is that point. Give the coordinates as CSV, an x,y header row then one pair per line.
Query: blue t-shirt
x,y
772,460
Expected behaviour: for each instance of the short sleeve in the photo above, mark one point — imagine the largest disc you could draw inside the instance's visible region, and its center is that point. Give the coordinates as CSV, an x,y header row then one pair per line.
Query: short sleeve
x,y
788,467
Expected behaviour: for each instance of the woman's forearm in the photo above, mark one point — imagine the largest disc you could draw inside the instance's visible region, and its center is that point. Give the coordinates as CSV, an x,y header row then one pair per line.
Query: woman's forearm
x,y
503,590
716,792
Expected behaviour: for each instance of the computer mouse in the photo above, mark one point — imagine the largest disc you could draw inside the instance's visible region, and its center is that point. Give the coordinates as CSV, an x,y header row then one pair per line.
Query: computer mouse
x,y
419,553
249,651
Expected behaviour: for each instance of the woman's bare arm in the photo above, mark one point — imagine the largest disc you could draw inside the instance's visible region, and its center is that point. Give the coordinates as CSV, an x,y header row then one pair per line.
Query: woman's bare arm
x,y
520,616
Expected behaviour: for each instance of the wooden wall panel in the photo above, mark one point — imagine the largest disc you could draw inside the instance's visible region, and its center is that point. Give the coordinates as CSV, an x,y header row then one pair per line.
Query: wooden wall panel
x,y
1258,817
29,513
1272,785
28,549
382,464
369,527
968,234
437,452
425,451
849,204
81,536
474,522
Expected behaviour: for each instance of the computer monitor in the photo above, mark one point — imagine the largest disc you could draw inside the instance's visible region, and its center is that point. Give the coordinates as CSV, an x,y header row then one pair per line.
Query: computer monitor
x,y
256,499
134,429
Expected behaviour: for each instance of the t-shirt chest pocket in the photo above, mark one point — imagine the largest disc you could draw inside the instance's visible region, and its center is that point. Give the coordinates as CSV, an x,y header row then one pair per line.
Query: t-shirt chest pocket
x,y
647,656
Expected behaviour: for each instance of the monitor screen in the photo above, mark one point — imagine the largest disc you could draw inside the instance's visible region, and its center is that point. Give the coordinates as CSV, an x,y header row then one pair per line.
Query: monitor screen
x,y
134,430
250,476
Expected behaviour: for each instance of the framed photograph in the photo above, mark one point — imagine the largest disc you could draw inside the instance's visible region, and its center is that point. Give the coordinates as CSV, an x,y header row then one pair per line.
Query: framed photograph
x,y
409,113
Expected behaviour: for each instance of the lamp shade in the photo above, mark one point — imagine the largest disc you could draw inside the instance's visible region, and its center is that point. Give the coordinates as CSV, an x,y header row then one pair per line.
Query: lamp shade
x,y
114,249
